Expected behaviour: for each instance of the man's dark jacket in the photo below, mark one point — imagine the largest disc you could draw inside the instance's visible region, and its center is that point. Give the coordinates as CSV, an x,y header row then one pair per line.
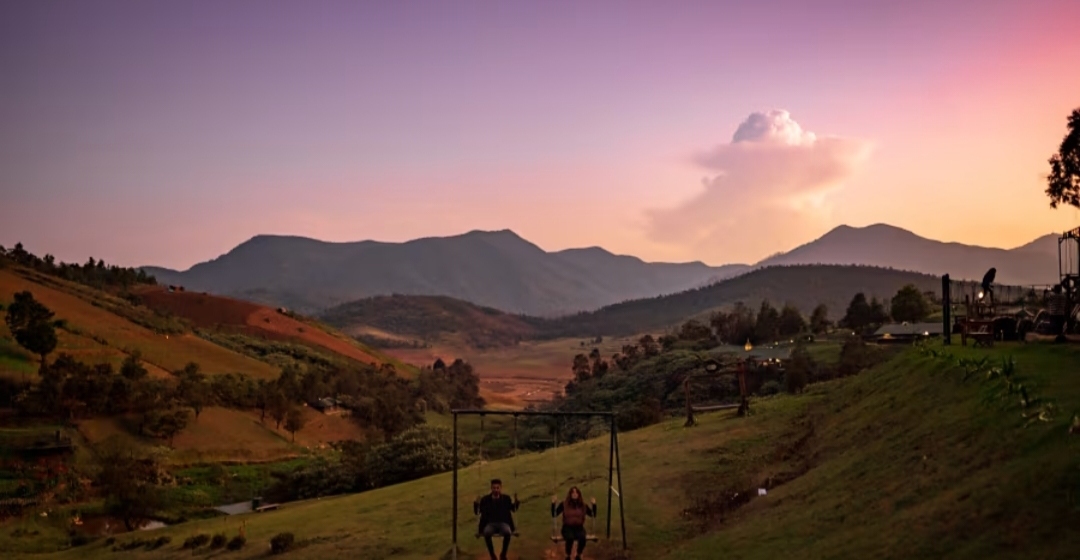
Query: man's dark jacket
x,y
496,510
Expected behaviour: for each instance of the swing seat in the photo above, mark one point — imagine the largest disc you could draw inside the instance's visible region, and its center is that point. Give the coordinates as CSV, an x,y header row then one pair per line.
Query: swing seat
x,y
514,534
588,537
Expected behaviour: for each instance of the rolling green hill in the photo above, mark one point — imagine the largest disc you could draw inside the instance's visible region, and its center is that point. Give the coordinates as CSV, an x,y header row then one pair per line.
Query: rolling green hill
x,y
805,286
921,457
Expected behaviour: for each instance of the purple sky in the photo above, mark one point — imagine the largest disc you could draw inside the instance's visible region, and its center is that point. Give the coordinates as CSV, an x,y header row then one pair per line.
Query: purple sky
x,y
168,132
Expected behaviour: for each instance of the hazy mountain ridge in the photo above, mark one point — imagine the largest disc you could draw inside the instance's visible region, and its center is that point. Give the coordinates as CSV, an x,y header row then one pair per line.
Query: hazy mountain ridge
x,y
497,269
1031,263
500,269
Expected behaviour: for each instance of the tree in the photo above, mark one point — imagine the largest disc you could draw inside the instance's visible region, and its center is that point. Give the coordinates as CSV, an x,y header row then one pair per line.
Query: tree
x,y
170,423
294,421
148,398
581,367
31,324
767,328
910,305
858,313
1064,180
800,369
277,405
878,313
127,480
193,390
414,453
132,368
819,319
649,346
791,322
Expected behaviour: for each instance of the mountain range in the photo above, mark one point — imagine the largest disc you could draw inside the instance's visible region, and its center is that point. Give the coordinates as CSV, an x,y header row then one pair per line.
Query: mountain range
x,y
500,269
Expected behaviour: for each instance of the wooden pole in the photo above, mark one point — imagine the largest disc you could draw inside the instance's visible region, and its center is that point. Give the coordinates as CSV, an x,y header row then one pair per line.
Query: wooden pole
x,y
453,550
689,409
610,476
744,406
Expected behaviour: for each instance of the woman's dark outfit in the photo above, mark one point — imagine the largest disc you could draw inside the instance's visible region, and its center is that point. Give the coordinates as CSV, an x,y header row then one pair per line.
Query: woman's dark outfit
x,y
573,527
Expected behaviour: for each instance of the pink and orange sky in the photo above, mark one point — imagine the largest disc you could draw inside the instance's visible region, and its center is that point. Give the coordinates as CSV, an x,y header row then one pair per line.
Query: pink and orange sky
x,y
168,132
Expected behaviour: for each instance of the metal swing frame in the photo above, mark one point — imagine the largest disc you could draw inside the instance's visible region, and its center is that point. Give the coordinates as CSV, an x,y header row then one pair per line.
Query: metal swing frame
x,y
614,465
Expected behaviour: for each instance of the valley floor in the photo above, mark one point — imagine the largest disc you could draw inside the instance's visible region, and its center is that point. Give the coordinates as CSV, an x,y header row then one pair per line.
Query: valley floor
x,y
921,457
514,376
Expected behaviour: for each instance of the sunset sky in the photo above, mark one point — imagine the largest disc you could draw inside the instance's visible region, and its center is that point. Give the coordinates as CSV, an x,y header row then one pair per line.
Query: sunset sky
x,y
168,132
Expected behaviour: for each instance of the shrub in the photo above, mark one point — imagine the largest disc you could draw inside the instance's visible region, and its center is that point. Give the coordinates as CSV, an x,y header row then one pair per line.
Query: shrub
x,y
196,541
415,453
159,542
133,544
237,542
110,541
770,388
281,543
81,540
218,541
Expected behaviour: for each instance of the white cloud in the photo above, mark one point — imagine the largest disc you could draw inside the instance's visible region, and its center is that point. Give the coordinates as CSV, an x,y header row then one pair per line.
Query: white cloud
x,y
770,189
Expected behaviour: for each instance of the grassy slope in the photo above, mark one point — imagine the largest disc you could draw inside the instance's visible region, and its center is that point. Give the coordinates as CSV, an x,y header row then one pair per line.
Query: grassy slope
x,y
905,461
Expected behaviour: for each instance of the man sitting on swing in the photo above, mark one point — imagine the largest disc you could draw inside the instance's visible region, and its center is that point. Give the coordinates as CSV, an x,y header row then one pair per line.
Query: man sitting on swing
x,y
496,512
574,511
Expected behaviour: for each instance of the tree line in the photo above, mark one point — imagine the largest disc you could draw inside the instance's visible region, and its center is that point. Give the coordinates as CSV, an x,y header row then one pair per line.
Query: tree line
x,y
643,381
93,273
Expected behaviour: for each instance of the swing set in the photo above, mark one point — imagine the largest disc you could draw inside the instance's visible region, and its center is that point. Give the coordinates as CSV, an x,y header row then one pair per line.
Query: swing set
x,y
614,482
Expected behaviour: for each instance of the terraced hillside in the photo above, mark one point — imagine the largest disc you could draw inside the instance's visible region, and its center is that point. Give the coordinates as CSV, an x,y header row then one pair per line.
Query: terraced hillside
x,y
925,456
170,330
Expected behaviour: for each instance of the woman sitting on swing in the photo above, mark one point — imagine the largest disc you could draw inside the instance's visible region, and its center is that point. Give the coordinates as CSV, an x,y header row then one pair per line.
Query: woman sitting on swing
x,y
574,511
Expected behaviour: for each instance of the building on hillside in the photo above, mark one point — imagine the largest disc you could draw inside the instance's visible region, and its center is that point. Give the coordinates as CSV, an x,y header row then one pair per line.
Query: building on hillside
x,y
328,405
893,333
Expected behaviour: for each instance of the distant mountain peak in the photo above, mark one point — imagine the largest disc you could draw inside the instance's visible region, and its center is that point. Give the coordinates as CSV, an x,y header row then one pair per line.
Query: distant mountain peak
x,y
886,245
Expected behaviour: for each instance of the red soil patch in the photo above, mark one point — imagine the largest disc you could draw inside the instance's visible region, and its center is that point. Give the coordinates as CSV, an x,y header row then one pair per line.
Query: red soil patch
x,y
319,428
209,311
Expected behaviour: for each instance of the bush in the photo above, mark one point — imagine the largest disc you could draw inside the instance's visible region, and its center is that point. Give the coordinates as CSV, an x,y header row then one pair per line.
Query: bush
x,y
132,544
218,541
237,542
196,541
281,543
770,388
159,542
415,453
81,540
110,541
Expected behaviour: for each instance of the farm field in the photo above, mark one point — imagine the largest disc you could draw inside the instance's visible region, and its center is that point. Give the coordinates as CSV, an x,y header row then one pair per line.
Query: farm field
x,y
209,311
116,336
225,435
915,458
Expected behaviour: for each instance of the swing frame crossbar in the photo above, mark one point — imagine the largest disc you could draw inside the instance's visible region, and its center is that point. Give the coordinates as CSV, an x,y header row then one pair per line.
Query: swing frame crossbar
x,y
614,485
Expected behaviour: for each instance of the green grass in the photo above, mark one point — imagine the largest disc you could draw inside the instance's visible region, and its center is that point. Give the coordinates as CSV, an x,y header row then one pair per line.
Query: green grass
x,y
15,360
908,460
216,484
